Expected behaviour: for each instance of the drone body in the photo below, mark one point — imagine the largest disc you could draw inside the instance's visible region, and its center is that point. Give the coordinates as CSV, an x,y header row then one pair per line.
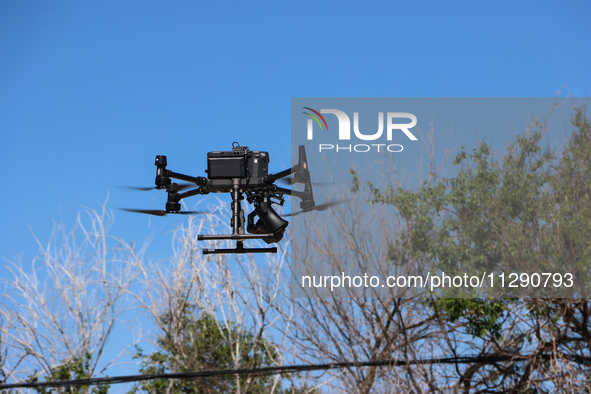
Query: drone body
x,y
240,172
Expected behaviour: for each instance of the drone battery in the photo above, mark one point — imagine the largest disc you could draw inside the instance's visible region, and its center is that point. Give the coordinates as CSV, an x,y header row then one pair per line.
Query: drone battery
x,y
226,165
258,164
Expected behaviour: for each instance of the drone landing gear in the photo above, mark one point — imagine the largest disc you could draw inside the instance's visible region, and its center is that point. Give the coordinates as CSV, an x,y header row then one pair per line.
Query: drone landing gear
x,y
237,229
240,249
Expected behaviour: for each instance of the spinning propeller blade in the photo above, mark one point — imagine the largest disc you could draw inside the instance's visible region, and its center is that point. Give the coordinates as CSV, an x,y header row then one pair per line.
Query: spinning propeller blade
x,y
288,181
173,186
322,207
159,212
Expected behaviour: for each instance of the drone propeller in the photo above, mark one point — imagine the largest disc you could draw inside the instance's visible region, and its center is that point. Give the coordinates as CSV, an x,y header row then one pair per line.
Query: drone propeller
x,y
291,181
322,207
173,186
159,212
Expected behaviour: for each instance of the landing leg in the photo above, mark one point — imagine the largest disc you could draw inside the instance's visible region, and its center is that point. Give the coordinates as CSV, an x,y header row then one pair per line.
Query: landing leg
x,y
237,224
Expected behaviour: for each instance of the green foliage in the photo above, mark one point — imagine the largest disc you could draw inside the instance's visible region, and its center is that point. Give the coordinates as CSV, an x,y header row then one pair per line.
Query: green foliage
x,y
77,368
482,316
525,212
528,211
3,381
202,345
354,182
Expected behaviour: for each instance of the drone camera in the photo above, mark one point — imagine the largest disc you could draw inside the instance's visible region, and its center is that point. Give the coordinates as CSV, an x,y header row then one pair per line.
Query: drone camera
x,y
271,219
269,222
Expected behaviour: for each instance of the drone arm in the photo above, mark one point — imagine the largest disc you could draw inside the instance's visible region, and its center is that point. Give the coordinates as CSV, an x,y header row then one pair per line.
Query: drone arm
x,y
194,192
284,173
306,196
201,181
293,193
163,175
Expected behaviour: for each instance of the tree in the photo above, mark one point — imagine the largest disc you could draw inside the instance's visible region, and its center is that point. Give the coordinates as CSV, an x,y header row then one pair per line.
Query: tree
x,y
71,370
218,303
59,313
527,211
204,347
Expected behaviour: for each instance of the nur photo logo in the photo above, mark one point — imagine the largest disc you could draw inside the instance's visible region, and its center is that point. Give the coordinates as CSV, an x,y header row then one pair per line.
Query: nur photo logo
x,y
393,125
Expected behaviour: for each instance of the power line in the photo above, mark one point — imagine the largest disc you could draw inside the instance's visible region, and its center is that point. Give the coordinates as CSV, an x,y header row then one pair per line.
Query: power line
x,y
288,369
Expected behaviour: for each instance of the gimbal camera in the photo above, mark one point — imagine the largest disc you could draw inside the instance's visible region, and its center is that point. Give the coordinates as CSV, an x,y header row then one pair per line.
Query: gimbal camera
x,y
240,172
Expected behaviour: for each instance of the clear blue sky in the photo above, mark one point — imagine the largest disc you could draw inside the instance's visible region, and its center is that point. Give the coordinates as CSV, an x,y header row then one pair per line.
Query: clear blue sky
x,y
90,92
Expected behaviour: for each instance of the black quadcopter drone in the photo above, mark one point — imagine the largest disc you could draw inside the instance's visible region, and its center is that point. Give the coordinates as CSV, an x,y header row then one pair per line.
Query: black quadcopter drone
x,y
240,171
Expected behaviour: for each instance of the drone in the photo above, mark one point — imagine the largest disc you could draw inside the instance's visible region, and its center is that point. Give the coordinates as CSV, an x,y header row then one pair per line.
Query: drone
x,y
240,172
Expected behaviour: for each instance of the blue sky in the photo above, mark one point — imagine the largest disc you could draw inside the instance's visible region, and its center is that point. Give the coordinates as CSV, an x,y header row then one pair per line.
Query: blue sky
x,y
90,92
